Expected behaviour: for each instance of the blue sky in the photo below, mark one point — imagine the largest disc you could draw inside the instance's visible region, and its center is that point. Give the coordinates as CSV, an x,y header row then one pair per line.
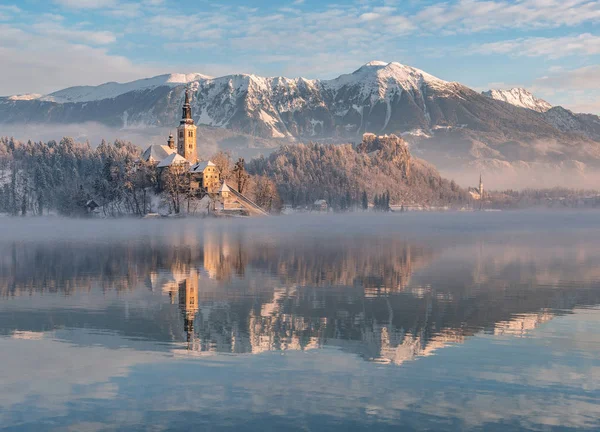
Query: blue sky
x,y
551,47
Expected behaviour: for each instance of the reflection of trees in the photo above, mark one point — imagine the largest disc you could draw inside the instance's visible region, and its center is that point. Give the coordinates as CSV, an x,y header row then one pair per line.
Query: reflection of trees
x,y
69,267
380,266
240,293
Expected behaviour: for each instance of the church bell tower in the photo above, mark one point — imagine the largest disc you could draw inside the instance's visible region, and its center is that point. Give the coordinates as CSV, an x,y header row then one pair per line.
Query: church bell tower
x,y
186,132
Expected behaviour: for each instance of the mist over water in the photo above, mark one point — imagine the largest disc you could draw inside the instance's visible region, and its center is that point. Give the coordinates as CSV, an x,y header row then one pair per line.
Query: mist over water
x,y
475,321
516,175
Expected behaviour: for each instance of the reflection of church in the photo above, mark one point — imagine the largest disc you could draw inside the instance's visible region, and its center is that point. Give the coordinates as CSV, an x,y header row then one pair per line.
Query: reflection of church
x,y
205,177
389,324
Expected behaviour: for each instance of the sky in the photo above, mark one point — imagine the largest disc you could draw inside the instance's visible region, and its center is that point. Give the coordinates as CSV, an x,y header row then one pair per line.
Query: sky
x,y
551,47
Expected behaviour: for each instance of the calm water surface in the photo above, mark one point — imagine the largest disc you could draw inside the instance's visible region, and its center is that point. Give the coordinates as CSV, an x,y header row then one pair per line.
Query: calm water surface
x,y
465,322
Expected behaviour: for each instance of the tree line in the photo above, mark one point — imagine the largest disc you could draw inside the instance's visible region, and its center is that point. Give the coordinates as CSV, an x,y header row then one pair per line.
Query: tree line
x,y
378,172
63,177
42,177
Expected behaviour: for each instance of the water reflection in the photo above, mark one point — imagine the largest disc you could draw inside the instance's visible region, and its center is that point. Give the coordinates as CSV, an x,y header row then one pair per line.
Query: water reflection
x,y
384,298
238,326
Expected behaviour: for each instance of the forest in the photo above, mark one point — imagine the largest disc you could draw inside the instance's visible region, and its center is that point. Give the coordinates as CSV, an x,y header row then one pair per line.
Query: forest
x,y
38,178
62,177
345,174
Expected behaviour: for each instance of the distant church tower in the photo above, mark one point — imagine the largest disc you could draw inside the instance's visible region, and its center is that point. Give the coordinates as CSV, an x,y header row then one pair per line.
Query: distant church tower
x,y
480,187
186,133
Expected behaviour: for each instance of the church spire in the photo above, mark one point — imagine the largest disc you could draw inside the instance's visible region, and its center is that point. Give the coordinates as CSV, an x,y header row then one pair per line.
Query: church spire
x,y
187,109
186,132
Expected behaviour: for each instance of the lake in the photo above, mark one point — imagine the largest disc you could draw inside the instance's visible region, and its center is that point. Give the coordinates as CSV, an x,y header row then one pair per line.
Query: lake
x,y
438,322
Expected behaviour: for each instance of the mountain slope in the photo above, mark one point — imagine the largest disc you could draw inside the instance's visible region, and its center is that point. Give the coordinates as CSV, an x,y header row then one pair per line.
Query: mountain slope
x,y
340,174
444,122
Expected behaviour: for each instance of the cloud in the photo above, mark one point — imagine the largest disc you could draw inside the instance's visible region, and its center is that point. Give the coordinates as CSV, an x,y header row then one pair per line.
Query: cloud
x,y
585,78
317,41
54,62
57,31
466,16
7,13
584,44
86,4
575,89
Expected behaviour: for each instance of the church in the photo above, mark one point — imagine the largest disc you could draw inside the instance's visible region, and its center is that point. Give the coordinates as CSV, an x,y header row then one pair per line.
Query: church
x,y
205,177
477,193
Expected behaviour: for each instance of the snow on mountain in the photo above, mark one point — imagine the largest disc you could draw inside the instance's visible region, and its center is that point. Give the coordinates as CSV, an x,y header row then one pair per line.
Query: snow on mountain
x,y
567,121
25,97
112,89
447,123
519,97
385,78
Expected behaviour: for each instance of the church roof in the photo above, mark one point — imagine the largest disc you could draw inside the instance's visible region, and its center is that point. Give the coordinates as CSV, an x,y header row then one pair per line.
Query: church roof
x,y
201,166
172,159
224,188
156,153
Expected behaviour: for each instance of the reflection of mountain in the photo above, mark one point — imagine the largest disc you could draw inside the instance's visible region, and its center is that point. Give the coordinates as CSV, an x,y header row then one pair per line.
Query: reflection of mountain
x,y
234,292
385,329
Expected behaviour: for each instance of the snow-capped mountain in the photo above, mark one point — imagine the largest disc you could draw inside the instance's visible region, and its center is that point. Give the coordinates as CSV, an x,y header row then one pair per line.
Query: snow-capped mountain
x,y
445,122
112,89
570,122
519,97
373,98
561,118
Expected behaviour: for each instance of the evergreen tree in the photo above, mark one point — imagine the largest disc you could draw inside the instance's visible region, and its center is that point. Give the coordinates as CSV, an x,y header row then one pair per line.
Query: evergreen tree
x,y
365,201
349,201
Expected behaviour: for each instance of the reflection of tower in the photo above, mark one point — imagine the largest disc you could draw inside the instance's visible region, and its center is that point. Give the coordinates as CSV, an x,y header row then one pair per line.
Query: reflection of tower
x,y
213,255
223,255
188,305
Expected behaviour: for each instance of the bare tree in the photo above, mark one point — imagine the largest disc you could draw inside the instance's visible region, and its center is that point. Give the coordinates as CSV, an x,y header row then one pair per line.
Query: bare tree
x,y
240,175
223,162
176,185
266,195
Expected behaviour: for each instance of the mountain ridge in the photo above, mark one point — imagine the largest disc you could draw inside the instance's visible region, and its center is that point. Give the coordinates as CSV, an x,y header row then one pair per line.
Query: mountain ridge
x,y
446,123
519,97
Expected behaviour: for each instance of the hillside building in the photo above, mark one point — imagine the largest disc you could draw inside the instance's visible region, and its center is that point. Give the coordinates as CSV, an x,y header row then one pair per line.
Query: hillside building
x,y
205,175
320,206
477,193
156,153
